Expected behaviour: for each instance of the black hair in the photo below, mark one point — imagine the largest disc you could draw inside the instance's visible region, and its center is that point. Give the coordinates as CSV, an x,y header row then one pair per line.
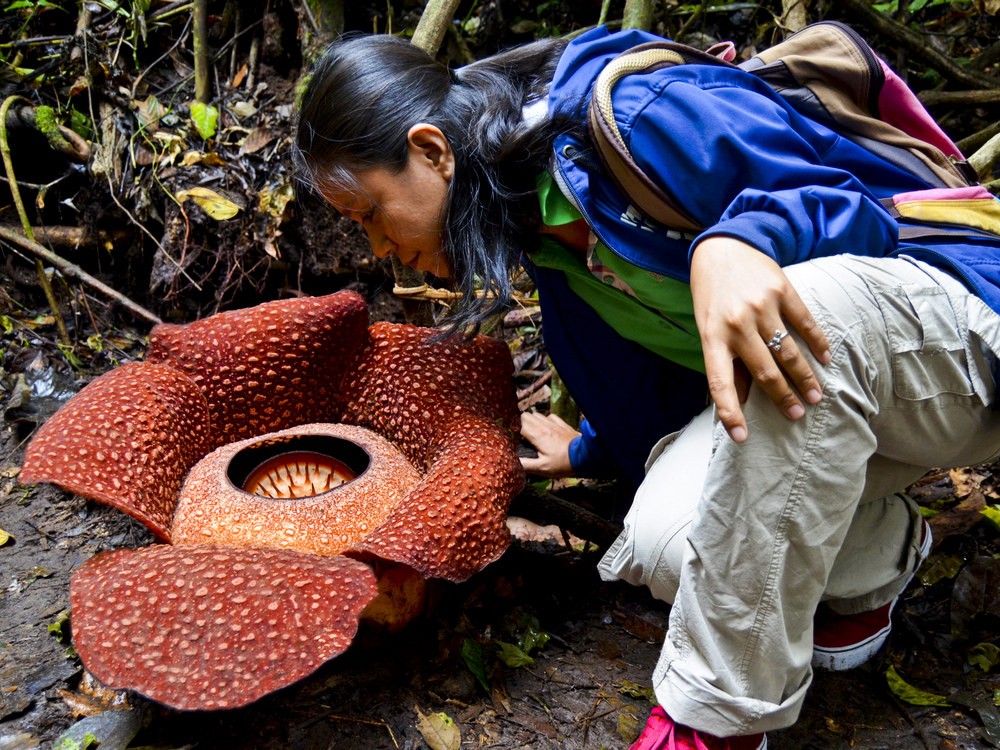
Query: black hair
x,y
365,93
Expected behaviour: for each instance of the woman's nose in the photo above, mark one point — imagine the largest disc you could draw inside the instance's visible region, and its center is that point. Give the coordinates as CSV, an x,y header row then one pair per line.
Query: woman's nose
x,y
381,245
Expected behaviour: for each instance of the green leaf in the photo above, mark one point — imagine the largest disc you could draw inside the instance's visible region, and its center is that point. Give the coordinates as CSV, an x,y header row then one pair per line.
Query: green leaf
x,y
939,567
472,655
985,656
205,118
909,694
513,656
532,636
635,690
66,743
58,627
6,324
992,515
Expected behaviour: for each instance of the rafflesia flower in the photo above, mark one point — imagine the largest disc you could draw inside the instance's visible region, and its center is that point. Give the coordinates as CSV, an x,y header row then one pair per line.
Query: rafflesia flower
x,y
302,470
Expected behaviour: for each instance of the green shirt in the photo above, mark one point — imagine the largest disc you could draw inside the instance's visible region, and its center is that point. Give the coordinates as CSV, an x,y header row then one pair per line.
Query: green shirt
x,y
652,310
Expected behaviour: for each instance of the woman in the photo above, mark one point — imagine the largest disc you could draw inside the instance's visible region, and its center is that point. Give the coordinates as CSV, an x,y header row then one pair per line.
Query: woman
x,y
774,522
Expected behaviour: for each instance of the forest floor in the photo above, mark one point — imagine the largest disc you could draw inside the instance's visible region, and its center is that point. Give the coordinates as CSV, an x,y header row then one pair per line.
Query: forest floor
x,y
587,688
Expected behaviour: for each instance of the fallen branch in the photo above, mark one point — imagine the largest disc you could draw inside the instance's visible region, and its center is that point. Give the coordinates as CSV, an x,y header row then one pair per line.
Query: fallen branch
x,y
916,44
74,237
70,144
977,140
432,294
72,271
199,33
985,157
546,508
961,98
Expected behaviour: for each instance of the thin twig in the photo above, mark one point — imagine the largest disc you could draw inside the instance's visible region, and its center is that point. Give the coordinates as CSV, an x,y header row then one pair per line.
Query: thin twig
x,y
71,270
15,193
202,91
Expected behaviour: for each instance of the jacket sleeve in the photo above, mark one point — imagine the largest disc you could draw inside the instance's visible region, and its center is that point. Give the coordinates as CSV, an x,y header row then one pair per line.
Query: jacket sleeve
x,y
588,456
746,165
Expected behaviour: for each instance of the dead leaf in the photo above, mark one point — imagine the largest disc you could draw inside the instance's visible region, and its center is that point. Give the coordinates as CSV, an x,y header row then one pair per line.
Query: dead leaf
x,y
976,592
256,140
214,204
992,7
211,158
240,75
4,537
439,731
149,113
9,472
966,481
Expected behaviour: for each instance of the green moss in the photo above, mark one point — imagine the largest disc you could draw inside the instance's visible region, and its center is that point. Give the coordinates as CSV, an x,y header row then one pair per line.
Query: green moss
x,y
48,125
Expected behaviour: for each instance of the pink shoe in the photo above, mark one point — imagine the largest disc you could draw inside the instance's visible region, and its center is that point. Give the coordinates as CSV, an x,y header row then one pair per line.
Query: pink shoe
x,y
847,641
661,733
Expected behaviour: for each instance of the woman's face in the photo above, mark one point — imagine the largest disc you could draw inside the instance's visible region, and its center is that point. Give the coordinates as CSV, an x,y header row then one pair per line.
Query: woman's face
x,y
403,212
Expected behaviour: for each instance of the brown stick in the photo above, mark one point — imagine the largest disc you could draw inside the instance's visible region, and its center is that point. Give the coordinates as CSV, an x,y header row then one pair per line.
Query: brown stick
x,y
638,14
961,98
70,270
433,23
544,508
73,237
199,15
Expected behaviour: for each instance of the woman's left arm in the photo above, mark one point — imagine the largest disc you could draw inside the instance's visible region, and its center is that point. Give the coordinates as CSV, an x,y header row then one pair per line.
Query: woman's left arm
x,y
755,174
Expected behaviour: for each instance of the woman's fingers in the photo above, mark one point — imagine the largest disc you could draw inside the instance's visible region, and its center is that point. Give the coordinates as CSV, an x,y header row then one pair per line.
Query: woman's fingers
x,y
551,437
746,312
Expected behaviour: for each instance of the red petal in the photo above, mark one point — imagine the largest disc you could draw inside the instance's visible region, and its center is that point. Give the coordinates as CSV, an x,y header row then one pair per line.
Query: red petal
x,y
127,439
450,407
202,628
271,366
412,390
454,523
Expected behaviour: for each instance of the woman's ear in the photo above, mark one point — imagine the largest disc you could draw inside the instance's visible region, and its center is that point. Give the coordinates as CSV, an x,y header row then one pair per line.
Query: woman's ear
x,y
431,148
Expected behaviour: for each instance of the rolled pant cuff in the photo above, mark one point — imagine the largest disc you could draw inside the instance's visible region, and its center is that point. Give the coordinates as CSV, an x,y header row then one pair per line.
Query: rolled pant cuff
x,y
693,702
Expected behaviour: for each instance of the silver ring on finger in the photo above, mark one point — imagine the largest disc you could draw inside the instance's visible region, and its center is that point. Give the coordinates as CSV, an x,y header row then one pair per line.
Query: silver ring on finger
x,y
775,343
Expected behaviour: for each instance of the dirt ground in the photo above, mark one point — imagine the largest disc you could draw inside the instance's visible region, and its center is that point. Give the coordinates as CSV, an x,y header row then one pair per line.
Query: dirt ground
x,y
587,688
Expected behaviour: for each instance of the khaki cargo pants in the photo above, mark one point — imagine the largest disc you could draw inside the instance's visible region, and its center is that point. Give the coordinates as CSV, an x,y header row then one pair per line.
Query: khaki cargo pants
x,y
746,540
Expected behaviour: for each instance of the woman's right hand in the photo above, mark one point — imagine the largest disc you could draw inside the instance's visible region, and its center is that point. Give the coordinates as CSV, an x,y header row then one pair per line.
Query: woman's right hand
x,y
742,299
551,437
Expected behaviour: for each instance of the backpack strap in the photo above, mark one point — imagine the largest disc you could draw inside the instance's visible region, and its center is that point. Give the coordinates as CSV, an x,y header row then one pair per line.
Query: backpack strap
x,y
645,194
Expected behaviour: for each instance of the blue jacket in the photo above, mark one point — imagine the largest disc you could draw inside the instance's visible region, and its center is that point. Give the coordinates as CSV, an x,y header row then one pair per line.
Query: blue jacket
x,y
743,163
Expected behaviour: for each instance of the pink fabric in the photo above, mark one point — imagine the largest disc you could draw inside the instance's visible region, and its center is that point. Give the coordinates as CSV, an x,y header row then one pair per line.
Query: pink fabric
x,y
898,106
974,192
723,50
662,733
659,731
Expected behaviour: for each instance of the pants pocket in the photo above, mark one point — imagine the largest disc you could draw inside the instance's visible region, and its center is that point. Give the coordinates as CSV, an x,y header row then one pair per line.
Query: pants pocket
x,y
927,343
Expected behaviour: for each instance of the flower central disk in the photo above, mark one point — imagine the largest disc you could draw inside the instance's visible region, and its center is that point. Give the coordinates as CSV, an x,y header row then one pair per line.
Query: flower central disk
x,y
318,488
297,466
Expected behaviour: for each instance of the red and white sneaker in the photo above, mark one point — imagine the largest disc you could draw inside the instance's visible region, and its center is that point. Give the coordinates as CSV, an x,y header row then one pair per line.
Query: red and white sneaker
x,y
847,641
662,733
